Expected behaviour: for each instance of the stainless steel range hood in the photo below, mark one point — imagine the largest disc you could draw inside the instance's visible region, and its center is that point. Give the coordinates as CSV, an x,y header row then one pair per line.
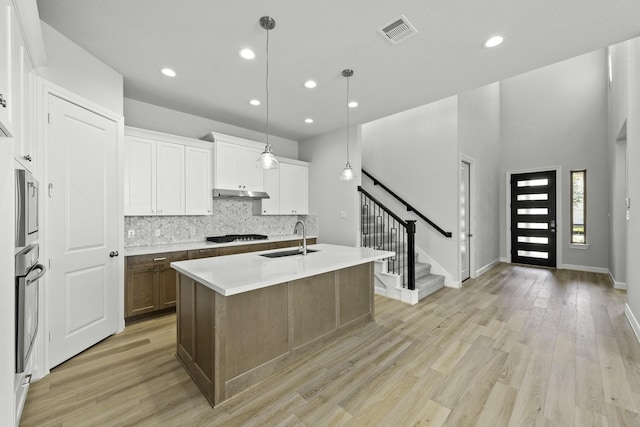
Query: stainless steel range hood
x,y
239,194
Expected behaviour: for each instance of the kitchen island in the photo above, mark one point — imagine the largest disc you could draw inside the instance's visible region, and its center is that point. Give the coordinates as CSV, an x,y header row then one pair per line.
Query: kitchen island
x,y
241,318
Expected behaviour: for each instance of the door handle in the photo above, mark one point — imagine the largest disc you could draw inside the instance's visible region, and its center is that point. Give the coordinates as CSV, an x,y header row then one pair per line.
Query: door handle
x,y
113,254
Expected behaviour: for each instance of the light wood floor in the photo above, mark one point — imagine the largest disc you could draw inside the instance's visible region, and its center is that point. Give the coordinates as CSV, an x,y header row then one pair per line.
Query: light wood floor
x,y
518,346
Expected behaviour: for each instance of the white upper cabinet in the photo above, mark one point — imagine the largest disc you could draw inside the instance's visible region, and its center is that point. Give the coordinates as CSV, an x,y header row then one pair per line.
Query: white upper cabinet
x,y
294,189
252,179
198,181
288,190
271,206
235,167
140,176
22,110
170,179
166,175
6,58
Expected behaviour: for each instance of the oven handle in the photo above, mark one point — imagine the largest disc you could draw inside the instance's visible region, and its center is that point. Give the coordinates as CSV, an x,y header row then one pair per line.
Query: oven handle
x,y
35,274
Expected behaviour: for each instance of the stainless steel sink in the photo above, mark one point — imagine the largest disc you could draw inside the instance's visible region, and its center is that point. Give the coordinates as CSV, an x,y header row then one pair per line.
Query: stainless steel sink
x,y
287,253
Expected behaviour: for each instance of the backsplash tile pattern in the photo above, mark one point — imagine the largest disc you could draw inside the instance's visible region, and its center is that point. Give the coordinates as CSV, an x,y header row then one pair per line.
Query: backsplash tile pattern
x,y
229,217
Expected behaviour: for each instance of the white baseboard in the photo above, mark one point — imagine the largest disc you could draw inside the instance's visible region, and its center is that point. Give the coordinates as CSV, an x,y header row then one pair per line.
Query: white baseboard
x,y
503,259
487,267
584,268
455,284
632,321
617,285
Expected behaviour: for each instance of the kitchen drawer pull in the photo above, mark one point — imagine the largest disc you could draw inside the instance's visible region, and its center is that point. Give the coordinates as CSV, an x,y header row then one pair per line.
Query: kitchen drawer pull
x,y
204,250
160,259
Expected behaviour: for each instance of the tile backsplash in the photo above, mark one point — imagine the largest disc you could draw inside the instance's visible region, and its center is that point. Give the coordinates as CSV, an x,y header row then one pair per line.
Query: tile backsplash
x,y
229,217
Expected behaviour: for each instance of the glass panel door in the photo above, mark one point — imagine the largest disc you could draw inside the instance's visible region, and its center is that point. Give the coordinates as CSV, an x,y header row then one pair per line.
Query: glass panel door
x,y
533,218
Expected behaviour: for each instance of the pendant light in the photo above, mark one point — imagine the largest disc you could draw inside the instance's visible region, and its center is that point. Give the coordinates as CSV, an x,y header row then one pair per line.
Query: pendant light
x,y
267,160
347,173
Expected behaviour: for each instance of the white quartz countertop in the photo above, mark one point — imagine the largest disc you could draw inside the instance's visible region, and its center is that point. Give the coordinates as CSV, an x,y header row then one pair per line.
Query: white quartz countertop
x,y
235,274
204,244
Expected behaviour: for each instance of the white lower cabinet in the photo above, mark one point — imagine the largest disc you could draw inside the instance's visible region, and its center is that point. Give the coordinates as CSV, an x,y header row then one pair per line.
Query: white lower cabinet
x,y
288,190
165,177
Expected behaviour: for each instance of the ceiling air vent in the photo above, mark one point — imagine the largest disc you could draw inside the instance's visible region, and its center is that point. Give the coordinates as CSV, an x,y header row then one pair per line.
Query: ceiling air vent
x,y
397,30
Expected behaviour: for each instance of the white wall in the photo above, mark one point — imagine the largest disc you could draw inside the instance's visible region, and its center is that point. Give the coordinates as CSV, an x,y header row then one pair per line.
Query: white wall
x,y
618,107
7,284
328,196
557,116
633,147
479,139
148,116
75,69
415,154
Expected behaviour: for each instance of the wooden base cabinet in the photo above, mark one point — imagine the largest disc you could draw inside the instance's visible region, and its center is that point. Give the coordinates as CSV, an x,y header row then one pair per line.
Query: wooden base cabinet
x,y
150,283
228,344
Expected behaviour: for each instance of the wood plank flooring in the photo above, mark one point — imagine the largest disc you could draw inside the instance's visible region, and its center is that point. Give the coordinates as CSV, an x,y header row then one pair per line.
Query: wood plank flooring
x,y
517,346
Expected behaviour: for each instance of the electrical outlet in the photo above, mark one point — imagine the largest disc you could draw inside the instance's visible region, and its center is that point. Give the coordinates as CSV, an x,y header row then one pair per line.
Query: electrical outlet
x,y
343,214
157,232
131,234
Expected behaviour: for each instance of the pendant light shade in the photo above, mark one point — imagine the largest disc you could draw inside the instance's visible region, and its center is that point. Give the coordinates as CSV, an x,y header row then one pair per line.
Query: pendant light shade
x,y
347,173
267,160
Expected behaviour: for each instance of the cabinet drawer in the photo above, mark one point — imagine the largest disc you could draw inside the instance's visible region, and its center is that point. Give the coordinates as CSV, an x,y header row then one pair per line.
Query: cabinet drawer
x,y
231,250
203,253
155,259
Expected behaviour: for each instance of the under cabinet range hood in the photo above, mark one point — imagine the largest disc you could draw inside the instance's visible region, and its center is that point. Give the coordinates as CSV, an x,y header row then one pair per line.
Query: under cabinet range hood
x,y
220,193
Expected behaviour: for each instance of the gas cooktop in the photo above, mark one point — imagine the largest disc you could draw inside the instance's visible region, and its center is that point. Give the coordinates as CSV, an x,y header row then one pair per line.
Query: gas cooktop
x,y
235,237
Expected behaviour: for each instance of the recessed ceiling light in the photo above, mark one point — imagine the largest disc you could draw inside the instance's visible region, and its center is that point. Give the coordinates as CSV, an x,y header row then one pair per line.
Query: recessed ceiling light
x,y
309,120
353,104
310,84
254,102
168,72
493,41
247,54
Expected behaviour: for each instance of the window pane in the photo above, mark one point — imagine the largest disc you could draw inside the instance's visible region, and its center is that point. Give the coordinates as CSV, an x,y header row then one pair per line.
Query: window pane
x,y
533,225
534,254
530,239
533,211
533,182
578,206
523,197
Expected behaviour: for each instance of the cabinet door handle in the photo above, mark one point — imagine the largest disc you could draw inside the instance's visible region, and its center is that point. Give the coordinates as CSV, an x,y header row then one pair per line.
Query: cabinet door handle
x,y
160,259
27,158
113,254
153,210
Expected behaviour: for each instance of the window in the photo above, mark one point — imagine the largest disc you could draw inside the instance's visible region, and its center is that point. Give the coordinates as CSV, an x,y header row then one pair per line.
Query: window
x,y
579,207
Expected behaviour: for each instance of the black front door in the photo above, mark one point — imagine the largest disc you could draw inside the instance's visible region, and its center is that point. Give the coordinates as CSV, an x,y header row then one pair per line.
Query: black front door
x,y
533,218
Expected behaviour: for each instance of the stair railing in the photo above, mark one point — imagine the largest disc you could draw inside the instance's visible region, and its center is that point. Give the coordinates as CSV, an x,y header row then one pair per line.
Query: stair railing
x,y
382,229
407,205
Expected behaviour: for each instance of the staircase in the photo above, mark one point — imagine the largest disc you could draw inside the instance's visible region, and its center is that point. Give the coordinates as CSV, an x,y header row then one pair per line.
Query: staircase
x,y
381,229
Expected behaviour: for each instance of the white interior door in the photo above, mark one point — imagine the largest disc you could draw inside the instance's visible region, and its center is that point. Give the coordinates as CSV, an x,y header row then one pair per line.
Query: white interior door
x,y
465,259
82,229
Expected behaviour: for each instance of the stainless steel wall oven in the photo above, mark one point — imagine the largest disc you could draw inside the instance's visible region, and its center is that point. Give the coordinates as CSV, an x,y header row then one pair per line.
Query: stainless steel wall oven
x,y
28,274
26,207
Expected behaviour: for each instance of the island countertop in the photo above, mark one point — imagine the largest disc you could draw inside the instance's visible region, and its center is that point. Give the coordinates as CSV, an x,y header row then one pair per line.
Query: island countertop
x,y
235,274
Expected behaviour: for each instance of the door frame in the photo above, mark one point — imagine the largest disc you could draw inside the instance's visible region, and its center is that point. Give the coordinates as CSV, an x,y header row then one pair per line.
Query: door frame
x,y
472,215
44,89
559,209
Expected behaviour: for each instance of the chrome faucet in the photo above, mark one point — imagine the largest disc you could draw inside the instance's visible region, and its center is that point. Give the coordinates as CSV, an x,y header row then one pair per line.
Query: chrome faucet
x,y
304,236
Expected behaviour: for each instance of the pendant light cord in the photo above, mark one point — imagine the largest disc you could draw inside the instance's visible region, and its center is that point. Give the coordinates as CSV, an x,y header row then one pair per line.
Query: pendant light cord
x,y
348,121
267,88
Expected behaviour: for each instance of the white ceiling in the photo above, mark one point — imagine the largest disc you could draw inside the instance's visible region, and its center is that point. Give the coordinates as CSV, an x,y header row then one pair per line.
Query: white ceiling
x,y
317,39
